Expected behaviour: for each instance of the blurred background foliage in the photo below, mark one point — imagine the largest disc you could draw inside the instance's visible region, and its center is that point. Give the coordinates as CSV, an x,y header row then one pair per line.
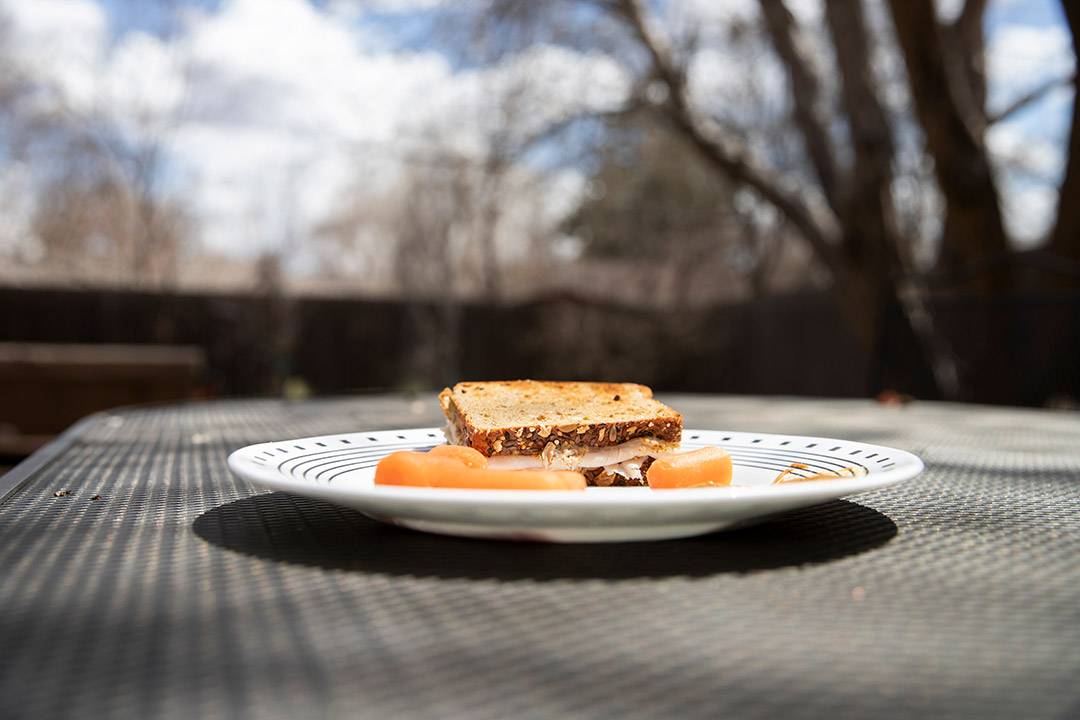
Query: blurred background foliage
x,y
851,197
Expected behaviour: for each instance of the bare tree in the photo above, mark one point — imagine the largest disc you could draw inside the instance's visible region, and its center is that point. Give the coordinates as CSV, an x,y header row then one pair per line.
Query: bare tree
x,y
434,212
847,212
103,213
953,124
1065,237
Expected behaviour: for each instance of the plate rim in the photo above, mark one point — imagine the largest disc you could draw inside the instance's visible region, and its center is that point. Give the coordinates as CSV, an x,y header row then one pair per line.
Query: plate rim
x,y
907,466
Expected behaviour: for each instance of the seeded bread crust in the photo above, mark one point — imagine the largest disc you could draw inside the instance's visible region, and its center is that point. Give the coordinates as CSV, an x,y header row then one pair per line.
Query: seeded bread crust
x,y
521,417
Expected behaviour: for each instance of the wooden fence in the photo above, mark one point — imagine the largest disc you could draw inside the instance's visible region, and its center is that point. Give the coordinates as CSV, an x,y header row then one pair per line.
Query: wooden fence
x,y
793,344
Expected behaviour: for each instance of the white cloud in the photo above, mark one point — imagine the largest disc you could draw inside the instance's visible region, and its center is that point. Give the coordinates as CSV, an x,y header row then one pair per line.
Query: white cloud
x,y
711,11
949,10
1028,150
472,106
807,11
1020,58
268,109
1029,210
285,64
1012,148
62,42
268,119
389,6
270,125
142,85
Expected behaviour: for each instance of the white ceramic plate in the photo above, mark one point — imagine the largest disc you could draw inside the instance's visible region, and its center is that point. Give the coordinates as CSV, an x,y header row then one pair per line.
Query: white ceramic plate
x,y
341,469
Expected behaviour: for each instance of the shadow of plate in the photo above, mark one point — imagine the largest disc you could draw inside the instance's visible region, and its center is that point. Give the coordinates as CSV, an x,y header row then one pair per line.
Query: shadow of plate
x,y
293,529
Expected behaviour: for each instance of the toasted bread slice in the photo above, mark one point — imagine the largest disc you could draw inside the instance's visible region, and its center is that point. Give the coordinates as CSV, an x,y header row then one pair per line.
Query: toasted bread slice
x,y
522,417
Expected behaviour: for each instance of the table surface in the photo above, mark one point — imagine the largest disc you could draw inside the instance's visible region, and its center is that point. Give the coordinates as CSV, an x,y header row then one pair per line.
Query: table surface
x,y
159,585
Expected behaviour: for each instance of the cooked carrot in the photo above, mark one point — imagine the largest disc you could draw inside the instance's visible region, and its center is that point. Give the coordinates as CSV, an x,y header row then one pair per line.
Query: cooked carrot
x,y
411,468
697,468
448,470
511,480
469,457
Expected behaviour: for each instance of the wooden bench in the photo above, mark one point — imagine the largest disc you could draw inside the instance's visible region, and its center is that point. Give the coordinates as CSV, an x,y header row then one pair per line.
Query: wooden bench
x,y
44,388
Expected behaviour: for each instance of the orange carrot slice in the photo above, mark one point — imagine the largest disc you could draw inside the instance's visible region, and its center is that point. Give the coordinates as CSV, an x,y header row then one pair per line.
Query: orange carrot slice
x,y
446,470
469,457
512,480
412,468
697,468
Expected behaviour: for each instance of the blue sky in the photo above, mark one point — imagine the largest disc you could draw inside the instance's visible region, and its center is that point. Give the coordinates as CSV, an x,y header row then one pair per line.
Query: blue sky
x,y
292,100
1028,12
412,26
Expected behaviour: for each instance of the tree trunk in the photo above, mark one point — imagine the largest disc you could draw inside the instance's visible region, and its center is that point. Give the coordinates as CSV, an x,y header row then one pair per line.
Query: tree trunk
x,y
872,243
973,229
811,116
1065,239
856,235
966,50
973,226
871,238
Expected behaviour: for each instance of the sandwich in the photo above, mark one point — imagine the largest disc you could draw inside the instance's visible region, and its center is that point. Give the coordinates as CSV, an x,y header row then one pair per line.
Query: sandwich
x,y
610,432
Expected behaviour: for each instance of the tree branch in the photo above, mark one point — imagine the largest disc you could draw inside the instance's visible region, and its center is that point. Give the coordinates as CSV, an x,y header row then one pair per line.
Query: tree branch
x,y
793,48
1031,97
871,134
973,226
1065,239
868,213
817,223
966,36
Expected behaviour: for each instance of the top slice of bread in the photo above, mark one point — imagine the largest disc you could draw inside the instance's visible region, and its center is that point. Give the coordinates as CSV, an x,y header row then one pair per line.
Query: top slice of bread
x,y
522,416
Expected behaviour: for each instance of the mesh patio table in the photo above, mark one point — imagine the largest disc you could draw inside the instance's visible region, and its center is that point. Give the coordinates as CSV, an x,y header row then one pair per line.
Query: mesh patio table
x,y
140,578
